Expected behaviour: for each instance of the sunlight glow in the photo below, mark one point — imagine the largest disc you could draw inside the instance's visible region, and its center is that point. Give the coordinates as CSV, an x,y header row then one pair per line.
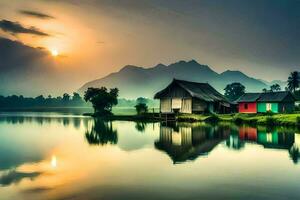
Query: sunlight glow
x,y
54,161
54,52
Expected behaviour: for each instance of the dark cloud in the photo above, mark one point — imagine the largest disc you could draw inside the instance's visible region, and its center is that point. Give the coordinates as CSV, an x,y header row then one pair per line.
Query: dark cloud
x,y
14,54
13,177
36,14
23,67
37,189
16,28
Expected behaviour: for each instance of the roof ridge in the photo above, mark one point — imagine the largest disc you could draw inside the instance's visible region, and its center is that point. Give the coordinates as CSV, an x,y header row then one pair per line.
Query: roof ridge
x,y
180,80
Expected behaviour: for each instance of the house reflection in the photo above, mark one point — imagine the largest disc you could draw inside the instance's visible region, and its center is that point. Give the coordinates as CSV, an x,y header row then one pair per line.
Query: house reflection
x,y
271,137
275,138
186,142
267,137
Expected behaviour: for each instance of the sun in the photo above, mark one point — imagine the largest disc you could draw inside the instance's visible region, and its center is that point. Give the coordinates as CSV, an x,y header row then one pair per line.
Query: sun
x,y
54,52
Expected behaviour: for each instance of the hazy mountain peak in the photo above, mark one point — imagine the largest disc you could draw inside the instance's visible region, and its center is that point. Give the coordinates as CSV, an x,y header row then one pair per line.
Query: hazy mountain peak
x,y
136,81
160,65
130,68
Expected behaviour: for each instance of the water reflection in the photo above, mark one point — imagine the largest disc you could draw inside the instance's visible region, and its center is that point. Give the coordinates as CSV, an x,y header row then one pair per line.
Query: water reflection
x,y
189,141
140,126
186,142
54,157
101,133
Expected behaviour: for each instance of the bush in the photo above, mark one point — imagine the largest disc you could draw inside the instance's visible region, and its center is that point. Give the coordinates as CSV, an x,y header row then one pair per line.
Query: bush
x,y
269,113
298,121
141,108
238,120
212,119
270,121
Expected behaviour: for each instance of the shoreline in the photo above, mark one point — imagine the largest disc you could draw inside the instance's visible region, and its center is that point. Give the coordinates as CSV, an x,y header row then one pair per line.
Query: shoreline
x,y
238,118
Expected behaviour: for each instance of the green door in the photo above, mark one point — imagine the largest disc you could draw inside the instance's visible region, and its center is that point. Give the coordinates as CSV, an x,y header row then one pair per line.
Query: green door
x,y
264,107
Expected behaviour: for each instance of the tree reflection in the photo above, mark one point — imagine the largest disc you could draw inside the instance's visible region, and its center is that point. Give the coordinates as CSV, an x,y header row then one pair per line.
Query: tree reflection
x,y
294,154
140,126
101,133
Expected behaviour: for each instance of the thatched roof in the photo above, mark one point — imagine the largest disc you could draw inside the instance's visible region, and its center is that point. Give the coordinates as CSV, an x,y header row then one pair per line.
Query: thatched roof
x,y
202,91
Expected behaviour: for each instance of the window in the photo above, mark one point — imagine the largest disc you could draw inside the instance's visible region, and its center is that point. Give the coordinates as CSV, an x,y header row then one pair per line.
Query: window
x,y
246,106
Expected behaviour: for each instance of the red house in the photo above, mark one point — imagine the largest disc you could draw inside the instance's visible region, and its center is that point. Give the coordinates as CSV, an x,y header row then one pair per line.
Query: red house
x,y
247,103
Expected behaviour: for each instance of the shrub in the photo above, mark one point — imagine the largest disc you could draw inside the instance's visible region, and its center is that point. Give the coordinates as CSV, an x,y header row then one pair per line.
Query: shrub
x,y
238,120
270,121
298,121
212,119
269,113
141,108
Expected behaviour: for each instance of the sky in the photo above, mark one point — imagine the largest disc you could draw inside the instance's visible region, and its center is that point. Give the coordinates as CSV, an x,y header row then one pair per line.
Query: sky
x,y
58,45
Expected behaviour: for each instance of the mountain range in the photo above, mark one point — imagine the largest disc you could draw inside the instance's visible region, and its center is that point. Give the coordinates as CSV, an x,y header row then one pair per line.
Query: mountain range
x,y
134,81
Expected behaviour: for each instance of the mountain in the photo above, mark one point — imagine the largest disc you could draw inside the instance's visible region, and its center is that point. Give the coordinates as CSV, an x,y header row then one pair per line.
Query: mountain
x,y
282,84
136,81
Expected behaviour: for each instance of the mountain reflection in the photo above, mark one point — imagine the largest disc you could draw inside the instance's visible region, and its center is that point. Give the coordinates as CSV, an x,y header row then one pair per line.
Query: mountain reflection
x,y
186,142
101,133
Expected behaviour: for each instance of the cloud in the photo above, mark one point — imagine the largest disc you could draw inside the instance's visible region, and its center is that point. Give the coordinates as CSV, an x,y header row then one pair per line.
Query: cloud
x,y
36,14
16,28
23,66
13,177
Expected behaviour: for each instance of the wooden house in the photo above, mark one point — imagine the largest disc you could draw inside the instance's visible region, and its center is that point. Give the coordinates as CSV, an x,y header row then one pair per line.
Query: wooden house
x,y
276,102
248,103
191,97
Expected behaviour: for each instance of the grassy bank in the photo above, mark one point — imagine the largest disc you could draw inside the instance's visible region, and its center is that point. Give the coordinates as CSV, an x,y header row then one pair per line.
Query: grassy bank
x,y
261,119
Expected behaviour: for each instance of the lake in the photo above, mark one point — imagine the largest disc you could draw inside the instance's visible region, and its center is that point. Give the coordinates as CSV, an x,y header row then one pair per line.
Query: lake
x,y
64,156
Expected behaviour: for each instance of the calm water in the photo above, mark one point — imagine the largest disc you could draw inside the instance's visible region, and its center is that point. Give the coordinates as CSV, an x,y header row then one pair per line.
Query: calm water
x,y
53,156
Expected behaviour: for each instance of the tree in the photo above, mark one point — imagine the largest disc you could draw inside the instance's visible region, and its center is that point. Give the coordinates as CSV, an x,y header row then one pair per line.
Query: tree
x,y
234,91
275,87
66,97
293,81
141,108
102,99
76,99
141,100
265,90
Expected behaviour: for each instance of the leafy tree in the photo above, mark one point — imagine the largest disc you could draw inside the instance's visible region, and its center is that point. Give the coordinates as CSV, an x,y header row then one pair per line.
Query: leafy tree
x,y
40,100
265,90
141,100
141,108
102,99
234,91
294,81
275,87
76,99
66,97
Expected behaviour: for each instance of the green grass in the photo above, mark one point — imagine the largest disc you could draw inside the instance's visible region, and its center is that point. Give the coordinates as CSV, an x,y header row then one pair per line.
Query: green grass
x,y
130,110
263,119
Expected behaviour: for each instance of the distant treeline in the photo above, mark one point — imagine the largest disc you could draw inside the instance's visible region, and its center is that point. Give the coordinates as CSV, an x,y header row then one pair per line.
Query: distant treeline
x,y
66,100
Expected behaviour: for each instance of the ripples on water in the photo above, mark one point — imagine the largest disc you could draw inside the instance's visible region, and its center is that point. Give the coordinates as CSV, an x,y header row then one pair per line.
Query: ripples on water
x,y
50,156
